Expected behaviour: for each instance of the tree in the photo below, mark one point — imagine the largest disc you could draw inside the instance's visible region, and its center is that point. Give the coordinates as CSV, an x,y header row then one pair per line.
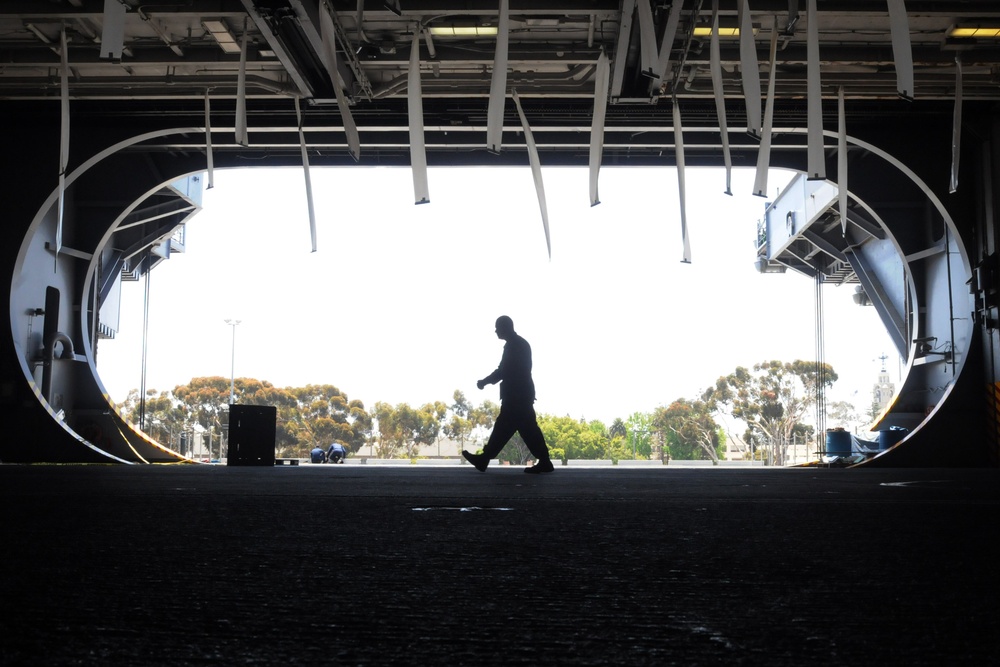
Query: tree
x,y
771,399
515,452
874,410
320,414
306,416
483,418
688,430
205,399
430,418
388,432
640,431
459,426
163,416
402,429
439,411
206,402
570,438
617,429
617,445
842,413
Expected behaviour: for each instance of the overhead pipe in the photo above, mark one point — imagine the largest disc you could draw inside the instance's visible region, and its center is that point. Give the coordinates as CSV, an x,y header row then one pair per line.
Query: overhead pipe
x,y
577,76
121,85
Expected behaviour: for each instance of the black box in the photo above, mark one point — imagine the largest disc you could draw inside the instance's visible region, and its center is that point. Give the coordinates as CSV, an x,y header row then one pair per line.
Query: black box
x,y
252,435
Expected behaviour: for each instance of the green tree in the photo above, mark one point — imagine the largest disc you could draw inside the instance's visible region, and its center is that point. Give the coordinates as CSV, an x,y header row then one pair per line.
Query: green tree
x,y
401,429
617,428
206,402
205,399
388,433
306,416
164,417
617,447
459,425
639,428
688,430
482,418
844,414
427,426
438,411
598,427
771,399
570,438
318,414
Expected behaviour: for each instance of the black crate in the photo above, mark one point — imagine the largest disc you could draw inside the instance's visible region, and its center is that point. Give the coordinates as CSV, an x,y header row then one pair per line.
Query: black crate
x,y
252,435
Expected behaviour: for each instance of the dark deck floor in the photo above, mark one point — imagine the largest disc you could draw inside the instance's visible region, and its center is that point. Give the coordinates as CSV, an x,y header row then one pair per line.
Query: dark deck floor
x,y
362,565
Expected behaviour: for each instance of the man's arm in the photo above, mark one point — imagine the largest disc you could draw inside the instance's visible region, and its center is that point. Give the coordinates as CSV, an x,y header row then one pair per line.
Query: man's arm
x,y
492,378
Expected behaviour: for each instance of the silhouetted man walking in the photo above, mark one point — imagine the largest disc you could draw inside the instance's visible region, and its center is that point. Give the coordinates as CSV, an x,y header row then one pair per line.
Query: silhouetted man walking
x,y
517,403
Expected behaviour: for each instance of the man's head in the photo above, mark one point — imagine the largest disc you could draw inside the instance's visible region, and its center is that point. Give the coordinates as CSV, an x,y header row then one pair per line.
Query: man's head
x,y
505,327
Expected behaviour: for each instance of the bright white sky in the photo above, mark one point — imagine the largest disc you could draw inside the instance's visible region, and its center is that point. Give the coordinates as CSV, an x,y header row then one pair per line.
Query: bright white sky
x,y
399,301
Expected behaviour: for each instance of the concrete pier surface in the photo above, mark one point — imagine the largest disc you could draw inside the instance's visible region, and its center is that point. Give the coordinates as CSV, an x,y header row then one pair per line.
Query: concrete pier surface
x,y
370,565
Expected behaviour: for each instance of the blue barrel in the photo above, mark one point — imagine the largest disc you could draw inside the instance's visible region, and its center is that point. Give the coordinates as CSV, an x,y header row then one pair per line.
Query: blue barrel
x,y
890,437
838,442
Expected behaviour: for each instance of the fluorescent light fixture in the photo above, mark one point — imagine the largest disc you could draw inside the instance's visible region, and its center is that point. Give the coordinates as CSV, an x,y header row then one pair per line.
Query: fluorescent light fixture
x,y
974,32
463,30
220,33
706,31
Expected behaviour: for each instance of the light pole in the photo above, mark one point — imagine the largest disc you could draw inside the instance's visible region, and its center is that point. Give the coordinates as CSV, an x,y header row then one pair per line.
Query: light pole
x,y
232,364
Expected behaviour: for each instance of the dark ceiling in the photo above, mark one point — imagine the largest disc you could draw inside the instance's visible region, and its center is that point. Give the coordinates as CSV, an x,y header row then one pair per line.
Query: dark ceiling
x,y
174,55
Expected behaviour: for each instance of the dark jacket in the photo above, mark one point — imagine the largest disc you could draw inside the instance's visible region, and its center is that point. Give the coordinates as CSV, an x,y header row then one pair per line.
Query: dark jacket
x,y
514,372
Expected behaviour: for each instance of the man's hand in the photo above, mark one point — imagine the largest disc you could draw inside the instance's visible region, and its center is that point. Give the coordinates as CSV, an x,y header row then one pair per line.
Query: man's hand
x,y
481,384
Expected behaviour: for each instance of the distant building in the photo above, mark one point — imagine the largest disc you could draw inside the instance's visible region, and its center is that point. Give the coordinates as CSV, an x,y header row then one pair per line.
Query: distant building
x,y
883,390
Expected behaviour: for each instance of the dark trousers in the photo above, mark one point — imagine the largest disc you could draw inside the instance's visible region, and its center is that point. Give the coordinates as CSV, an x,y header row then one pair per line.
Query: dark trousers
x,y
517,417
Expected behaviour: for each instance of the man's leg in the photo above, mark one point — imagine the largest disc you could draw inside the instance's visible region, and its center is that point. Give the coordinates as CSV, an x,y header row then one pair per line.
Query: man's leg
x,y
531,433
533,438
503,429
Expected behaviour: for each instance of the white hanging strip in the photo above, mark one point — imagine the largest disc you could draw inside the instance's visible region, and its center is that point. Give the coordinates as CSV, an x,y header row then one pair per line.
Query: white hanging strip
x,y
669,33
242,135
956,127
113,30
842,160
622,46
764,153
815,162
305,172
536,171
902,54
649,58
597,124
681,187
208,143
63,137
749,68
415,110
328,38
715,66
498,85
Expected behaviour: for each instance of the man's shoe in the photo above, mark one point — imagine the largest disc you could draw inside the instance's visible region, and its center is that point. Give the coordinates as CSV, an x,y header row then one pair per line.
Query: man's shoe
x,y
478,460
540,467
